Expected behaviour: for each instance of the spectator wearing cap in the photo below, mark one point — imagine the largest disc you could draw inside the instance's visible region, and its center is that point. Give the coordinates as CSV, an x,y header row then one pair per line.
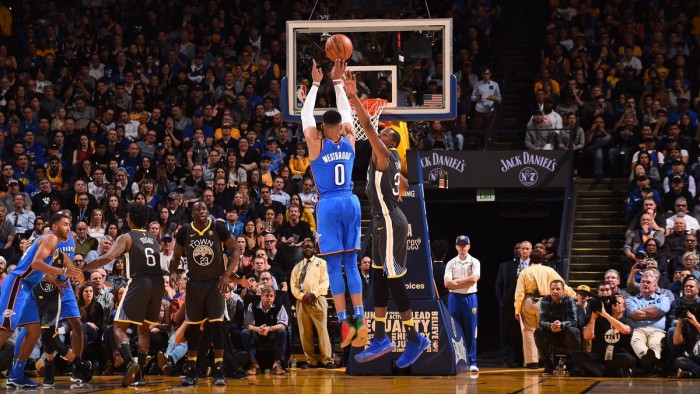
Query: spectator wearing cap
x,y
642,190
177,211
167,248
12,190
228,141
461,276
539,134
583,310
40,202
678,169
683,109
661,122
277,157
675,139
678,190
198,123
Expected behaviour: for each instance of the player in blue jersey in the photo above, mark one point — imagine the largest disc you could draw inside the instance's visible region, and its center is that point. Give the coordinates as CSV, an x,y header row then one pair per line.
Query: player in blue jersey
x,y
332,155
16,292
50,301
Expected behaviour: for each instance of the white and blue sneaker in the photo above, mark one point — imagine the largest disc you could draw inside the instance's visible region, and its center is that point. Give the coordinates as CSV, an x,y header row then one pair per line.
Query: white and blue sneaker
x,y
376,349
22,382
412,352
473,368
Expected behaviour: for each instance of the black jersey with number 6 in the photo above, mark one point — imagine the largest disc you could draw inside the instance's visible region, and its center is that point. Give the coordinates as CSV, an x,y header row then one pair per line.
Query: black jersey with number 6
x,y
143,259
204,249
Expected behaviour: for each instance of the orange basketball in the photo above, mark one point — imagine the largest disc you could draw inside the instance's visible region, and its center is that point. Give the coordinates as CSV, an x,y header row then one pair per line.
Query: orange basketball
x,y
339,46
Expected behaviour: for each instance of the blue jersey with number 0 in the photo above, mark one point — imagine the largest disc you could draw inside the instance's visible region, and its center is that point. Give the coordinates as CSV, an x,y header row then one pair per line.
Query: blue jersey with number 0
x,y
333,167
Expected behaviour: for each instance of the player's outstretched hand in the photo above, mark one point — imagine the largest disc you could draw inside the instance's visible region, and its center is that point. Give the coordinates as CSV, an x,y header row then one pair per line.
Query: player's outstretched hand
x,y
223,284
59,283
316,72
75,273
338,69
350,84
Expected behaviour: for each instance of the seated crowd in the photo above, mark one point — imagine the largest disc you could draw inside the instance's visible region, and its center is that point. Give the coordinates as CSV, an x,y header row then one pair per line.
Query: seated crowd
x,y
166,106
618,86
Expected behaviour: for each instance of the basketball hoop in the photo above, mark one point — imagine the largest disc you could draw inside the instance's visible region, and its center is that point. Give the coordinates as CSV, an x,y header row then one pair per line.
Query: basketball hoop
x,y
374,108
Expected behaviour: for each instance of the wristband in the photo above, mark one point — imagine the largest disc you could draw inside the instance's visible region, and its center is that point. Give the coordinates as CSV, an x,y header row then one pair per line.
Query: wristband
x,y
316,84
65,271
338,80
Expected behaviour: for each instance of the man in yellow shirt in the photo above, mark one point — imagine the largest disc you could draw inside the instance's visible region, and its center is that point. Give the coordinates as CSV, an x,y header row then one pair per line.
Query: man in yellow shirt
x,y
309,284
533,284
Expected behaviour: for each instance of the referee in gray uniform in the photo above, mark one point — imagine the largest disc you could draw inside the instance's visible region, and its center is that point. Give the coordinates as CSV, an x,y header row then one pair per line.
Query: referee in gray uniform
x,y
385,185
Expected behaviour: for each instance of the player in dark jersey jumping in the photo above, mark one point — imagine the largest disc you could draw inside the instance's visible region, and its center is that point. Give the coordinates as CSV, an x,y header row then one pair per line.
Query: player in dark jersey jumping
x,y
385,186
144,291
332,155
208,282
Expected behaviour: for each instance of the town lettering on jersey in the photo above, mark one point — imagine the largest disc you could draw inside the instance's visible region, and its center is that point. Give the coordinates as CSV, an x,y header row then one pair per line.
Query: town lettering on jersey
x,y
527,158
333,156
146,240
198,242
437,159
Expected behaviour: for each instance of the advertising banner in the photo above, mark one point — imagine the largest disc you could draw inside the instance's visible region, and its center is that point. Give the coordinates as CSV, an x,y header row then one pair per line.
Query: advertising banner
x,y
445,356
494,169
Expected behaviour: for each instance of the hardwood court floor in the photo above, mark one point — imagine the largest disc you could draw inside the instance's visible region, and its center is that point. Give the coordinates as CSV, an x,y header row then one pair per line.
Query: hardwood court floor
x,y
321,381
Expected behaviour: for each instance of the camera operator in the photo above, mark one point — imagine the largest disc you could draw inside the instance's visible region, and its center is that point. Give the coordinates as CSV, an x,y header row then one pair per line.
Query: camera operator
x,y
688,302
686,334
611,333
648,311
558,324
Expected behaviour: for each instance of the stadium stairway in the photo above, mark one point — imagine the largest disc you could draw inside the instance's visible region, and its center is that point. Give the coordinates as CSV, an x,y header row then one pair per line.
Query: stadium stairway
x,y
515,58
600,222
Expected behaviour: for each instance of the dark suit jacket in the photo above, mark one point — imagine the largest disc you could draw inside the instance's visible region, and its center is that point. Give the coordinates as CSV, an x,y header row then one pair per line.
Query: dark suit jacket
x,y
506,281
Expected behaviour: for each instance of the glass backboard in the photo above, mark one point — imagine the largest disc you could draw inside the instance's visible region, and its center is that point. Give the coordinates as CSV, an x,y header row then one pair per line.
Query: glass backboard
x,y
400,60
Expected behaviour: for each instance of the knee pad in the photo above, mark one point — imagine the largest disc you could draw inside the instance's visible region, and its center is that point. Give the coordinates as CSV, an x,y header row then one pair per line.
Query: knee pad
x,y
398,290
352,272
334,264
217,334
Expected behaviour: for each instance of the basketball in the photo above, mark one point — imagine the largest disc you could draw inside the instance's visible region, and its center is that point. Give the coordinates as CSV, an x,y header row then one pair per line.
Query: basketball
x,y
338,46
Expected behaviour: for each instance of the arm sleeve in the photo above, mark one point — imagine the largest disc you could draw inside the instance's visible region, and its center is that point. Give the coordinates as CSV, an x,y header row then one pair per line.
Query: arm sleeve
x,y
307,110
343,104
222,231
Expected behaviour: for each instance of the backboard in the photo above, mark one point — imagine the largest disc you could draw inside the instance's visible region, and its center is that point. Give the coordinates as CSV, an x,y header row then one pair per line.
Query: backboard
x,y
400,60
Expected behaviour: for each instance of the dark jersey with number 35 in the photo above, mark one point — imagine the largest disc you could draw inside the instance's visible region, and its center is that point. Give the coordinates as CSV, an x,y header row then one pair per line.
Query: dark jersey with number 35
x,y
383,187
143,259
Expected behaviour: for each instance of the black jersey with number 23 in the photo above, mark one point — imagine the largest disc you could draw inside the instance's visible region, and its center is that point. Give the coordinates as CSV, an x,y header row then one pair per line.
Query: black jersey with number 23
x,y
204,249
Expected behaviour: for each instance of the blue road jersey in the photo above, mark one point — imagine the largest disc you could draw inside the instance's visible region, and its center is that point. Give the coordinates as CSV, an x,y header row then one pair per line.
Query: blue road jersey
x,y
333,167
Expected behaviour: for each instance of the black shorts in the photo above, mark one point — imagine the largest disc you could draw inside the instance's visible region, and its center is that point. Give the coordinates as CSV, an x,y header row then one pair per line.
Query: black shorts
x,y
204,301
47,303
142,300
389,243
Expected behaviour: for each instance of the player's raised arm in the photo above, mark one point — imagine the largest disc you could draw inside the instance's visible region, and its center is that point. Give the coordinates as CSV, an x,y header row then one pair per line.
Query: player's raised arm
x,y
341,99
308,122
380,153
122,244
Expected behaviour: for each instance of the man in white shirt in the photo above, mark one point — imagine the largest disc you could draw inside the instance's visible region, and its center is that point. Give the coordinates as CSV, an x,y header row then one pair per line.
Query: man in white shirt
x,y
485,94
461,275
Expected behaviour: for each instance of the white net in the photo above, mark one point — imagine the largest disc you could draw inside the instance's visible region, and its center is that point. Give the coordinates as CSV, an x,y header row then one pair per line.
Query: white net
x,y
374,107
